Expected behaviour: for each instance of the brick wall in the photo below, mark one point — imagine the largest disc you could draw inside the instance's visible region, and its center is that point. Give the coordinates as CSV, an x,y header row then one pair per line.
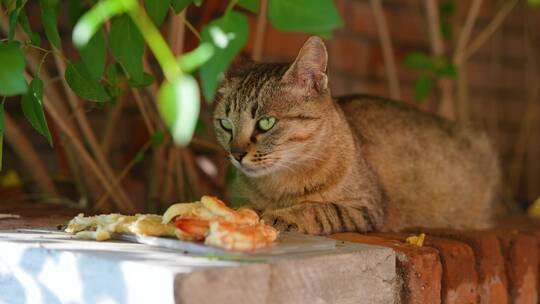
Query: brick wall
x,y
496,73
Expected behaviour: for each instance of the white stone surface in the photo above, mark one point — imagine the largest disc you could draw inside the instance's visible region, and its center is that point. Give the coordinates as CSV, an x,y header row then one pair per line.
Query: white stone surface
x,y
52,268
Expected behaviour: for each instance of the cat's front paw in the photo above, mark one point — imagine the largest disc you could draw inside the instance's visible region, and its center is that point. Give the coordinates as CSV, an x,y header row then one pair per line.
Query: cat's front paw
x,y
280,220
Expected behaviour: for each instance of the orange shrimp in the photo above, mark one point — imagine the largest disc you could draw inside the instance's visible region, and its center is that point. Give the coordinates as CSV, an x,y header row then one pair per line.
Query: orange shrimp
x,y
232,236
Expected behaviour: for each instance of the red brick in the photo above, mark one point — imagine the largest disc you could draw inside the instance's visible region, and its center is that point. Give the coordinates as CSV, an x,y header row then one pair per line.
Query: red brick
x,y
528,226
282,46
459,277
360,19
521,254
419,267
492,280
349,54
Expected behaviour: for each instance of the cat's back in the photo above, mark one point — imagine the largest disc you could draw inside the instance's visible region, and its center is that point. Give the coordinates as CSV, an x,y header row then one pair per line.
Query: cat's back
x,y
432,171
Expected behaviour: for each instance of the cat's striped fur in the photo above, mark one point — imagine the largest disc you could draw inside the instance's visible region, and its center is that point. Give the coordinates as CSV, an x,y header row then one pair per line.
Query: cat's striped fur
x,y
355,163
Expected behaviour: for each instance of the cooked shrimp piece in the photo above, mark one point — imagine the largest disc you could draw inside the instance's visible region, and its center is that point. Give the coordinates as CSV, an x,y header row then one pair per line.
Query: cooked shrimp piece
x,y
195,228
246,216
240,237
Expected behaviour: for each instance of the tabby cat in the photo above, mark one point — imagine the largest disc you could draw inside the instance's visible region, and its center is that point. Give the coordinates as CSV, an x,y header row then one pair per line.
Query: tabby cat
x,y
317,164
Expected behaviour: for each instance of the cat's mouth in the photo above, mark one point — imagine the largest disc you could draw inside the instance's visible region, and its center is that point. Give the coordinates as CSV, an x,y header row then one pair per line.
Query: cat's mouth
x,y
253,169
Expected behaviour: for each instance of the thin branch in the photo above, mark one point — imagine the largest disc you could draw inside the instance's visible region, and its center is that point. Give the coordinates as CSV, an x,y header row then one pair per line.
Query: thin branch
x,y
190,169
260,31
446,105
177,32
488,31
387,49
144,111
110,125
169,175
79,147
121,176
192,29
28,154
180,180
89,134
437,44
466,31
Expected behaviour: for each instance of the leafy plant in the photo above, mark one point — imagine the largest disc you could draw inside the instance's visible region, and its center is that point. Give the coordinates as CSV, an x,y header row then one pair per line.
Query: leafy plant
x,y
431,68
112,38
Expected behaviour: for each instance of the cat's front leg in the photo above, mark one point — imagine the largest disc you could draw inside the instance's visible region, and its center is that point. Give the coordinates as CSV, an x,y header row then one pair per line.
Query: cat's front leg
x,y
321,218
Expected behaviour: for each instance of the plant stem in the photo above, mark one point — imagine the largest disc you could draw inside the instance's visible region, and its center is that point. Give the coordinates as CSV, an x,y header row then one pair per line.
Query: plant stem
x,y
83,153
122,175
388,51
465,33
489,30
157,44
28,154
144,111
260,31
90,137
446,104
177,31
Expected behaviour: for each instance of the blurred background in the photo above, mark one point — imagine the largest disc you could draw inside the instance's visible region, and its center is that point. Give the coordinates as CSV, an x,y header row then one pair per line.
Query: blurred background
x,y
475,62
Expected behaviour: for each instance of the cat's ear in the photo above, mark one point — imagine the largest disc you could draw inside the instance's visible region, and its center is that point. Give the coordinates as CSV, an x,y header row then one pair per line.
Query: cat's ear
x,y
307,74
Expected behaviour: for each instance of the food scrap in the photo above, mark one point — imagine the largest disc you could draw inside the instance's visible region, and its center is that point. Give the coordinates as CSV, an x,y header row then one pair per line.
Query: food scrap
x,y
417,240
208,220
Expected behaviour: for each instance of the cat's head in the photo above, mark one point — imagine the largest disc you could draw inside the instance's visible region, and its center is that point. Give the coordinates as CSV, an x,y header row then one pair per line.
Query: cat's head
x,y
268,115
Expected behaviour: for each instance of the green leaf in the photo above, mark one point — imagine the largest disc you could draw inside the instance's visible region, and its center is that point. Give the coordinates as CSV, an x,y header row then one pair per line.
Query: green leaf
x,y
157,139
422,87
417,60
201,127
191,61
32,106
533,2
309,16
139,156
12,25
92,20
127,46
446,31
448,70
49,16
146,80
94,55
179,106
1,133
75,11
250,5
157,10
12,66
25,24
14,10
113,87
447,8
83,84
229,35
180,5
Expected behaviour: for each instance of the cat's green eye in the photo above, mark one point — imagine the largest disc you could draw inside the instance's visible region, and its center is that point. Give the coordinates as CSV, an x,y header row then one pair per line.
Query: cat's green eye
x,y
266,123
225,124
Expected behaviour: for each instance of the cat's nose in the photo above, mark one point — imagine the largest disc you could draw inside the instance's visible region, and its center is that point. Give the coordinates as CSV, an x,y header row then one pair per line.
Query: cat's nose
x,y
238,154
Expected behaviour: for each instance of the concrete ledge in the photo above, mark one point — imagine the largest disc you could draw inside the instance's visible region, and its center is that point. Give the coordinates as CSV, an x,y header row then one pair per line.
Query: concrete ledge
x,y
56,269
